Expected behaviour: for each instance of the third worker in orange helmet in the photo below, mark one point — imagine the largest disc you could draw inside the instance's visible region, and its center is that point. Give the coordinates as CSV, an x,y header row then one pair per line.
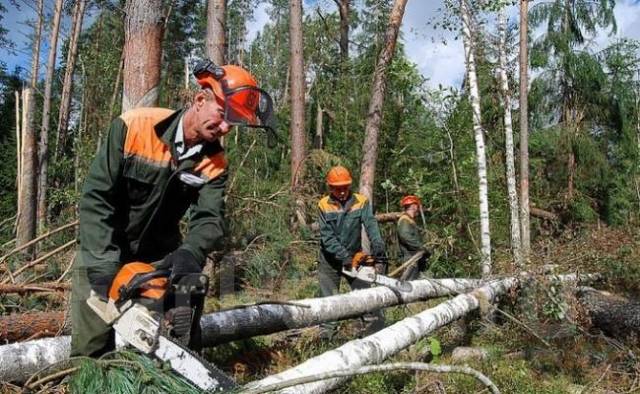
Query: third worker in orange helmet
x,y
409,237
343,214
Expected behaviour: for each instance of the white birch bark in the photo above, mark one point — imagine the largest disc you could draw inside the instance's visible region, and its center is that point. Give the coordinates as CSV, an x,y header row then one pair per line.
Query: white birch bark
x,y
225,326
508,131
474,98
385,343
28,358
21,360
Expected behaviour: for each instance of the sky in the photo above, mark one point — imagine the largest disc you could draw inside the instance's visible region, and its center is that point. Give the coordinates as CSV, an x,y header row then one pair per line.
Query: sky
x,y
437,55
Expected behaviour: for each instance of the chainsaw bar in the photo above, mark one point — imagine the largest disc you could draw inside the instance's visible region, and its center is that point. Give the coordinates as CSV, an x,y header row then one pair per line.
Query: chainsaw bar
x,y
192,367
369,274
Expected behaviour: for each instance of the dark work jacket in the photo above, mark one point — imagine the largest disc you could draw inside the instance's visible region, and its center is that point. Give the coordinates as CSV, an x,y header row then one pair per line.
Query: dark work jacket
x,y
341,226
136,192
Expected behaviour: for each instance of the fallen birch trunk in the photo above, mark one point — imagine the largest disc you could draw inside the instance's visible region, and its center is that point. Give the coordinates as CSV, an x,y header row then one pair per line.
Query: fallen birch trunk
x,y
27,325
434,368
230,325
225,326
385,343
18,361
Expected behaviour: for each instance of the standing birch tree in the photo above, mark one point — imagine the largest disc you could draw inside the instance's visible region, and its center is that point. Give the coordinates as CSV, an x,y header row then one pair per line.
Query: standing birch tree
x,y
143,32
524,130
508,132
43,152
469,43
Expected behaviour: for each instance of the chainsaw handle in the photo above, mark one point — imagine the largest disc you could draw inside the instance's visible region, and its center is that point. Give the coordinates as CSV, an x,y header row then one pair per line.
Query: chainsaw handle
x,y
128,291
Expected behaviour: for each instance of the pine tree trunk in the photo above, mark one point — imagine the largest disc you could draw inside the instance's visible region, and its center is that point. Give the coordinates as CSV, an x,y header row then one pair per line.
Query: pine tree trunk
x,y
216,41
35,51
524,133
43,153
385,343
474,98
18,154
26,230
508,131
343,9
67,86
297,94
378,89
143,34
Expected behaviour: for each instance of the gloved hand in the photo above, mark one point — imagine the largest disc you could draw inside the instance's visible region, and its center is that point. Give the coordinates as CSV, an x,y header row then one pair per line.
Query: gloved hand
x,y
181,262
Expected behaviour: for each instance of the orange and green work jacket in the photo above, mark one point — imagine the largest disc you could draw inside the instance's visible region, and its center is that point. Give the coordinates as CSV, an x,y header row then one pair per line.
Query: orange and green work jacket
x,y
340,228
409,237
137,191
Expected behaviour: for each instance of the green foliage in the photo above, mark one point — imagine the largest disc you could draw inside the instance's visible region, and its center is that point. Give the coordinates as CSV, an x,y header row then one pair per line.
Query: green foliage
x,y
126,372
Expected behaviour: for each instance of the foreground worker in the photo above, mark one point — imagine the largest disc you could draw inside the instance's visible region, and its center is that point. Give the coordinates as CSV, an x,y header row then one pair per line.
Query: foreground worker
x,y
409,237
154,165
343,214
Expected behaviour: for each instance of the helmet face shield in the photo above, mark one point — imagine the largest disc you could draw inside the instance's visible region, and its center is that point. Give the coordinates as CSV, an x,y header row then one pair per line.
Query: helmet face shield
x,y
248,106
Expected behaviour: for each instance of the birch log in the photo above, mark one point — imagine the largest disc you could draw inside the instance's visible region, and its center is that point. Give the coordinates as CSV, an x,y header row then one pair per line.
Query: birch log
x,y
21,360
385,343
226,326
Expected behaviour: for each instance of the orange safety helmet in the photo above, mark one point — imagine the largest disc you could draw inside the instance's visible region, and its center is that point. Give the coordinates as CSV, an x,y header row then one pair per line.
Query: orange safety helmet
x,y
410,199
245,104
339,176
153,288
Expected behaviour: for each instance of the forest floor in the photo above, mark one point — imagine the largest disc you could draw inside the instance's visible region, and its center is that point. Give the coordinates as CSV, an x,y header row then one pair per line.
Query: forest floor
x,y
556,352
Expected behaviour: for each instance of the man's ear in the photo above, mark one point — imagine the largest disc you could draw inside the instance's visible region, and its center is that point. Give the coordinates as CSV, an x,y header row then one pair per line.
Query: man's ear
x,y
199,99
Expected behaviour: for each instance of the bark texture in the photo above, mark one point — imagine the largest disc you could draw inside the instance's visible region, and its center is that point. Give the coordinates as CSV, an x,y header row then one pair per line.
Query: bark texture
x,y
225,326
26,229
512,191
481,159
43,153
26,325
385,343
21,360
35,50
67,86
378,89
297,93
615,316
343,9
144,26
524,131
216,40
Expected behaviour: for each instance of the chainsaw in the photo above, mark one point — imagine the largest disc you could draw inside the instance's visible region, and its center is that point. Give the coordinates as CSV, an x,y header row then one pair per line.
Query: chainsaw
x,y
158,316
363,268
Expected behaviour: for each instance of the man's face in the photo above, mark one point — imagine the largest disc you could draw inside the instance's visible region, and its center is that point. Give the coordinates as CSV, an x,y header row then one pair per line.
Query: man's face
x,y
340,193
412,210
209,123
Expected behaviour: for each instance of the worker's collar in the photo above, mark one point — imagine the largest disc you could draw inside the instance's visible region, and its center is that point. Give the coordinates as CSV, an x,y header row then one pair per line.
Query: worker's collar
x,y
339,202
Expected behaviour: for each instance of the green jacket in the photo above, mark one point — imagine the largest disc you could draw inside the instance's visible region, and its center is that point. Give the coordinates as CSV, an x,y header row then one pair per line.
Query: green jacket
x,y
409,237
136,193
340,228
